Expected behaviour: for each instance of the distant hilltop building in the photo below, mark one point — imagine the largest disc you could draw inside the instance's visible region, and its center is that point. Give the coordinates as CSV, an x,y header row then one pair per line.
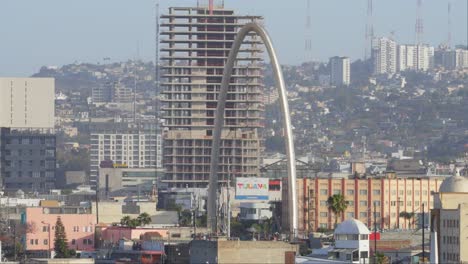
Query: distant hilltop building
x,y
384,56
415,57
452,59
388,57
340,71
112,92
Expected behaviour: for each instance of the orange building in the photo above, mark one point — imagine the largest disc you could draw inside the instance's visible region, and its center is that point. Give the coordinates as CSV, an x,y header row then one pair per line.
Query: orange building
x,y
390,195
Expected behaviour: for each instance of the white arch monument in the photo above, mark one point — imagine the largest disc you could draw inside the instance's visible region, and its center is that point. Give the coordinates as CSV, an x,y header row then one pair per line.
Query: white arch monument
x,y
219,122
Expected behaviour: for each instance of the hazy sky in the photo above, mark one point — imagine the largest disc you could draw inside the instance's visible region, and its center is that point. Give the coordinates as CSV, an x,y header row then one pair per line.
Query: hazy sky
x,y
56,32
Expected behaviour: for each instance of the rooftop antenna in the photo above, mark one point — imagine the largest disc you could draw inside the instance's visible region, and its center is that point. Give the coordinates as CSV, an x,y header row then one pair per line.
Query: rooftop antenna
x,y
419,28
308,38
369,28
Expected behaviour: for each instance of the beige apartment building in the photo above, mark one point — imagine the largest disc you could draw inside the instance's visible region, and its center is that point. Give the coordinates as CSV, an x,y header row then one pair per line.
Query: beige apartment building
x,y
449,221
387,196
27,103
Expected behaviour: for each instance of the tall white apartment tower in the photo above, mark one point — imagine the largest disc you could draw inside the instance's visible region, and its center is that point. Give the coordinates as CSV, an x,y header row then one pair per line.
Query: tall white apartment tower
x,y
340,71
415,57
384,56
195,43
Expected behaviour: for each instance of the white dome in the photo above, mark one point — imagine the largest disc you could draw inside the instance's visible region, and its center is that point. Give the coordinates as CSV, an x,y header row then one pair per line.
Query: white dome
x,y
351,227
455,183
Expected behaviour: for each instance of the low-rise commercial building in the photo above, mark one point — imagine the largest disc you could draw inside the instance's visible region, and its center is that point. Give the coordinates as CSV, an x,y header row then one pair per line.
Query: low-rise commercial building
x,y
78,222
449,221
388,196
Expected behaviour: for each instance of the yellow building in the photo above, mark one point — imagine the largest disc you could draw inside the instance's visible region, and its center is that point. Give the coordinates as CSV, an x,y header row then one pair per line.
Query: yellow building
x,y
390,195
449,221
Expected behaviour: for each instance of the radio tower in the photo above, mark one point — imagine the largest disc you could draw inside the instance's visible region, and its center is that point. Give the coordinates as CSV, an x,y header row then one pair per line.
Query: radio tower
x,y
419,24
449,25
308,35
369,29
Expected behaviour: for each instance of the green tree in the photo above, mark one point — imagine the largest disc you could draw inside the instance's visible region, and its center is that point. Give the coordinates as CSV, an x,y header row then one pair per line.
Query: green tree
x,y
407,216
144,219
185,218
125,221
134,223
337,204
380,258
60,241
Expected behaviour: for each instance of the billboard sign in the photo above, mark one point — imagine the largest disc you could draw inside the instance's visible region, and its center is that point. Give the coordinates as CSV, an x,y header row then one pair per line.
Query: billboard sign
x,y
252,188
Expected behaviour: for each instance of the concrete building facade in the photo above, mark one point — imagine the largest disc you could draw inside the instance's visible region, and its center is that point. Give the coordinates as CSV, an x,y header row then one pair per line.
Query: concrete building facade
x,y
391,195
449,220
340,71
415,57
79,226
130,145
384,56
27,160
27,103
195,43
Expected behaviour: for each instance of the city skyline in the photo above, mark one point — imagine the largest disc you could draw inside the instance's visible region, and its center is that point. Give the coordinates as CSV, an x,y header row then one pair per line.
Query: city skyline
x,y
66,35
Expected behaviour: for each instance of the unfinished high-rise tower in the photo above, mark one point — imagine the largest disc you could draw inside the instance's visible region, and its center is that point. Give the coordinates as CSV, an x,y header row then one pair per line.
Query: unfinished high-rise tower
x,y
194,46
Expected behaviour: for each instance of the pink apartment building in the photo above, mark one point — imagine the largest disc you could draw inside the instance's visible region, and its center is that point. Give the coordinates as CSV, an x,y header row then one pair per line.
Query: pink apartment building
x,y
79,226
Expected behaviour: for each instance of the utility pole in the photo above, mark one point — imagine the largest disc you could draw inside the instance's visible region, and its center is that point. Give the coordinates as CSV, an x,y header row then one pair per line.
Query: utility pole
x,y
423,251
229,205
375,232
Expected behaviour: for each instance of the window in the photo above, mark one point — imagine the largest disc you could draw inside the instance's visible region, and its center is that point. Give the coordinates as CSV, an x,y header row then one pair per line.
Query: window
x,y
401,192
350,203
362,203
393,203
335,191
364,254
46,242
73,242
31,241
323,203
36,241
376,192
408,192
363,192
323,191
350,214
323,214
363,214
364,237
350,192
376,203
45,229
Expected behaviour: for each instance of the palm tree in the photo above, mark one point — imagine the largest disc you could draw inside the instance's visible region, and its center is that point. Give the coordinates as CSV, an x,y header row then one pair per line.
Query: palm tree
x,y
144,219
125,221
407,216
337,204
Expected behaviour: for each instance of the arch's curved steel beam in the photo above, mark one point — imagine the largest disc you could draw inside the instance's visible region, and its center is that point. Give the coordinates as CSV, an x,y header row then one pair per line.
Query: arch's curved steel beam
x,y
219,122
